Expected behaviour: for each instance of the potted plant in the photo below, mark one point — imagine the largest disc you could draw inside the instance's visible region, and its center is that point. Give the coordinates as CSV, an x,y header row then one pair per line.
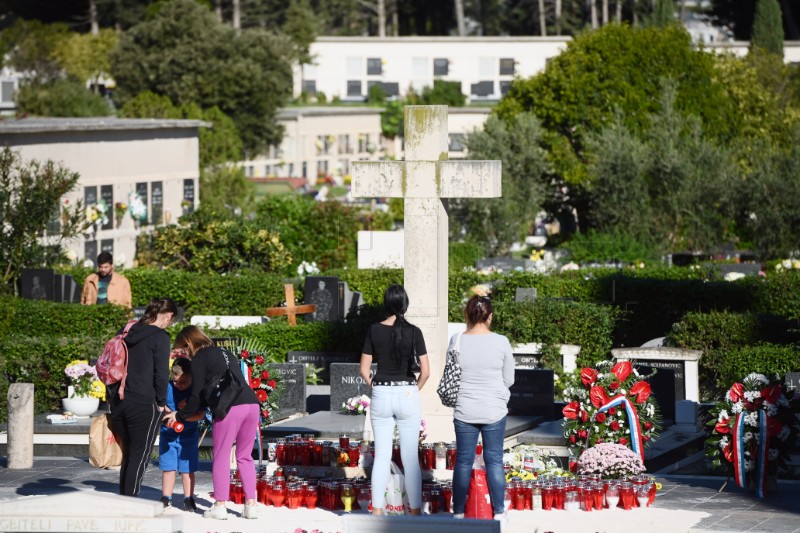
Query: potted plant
x,y
85,390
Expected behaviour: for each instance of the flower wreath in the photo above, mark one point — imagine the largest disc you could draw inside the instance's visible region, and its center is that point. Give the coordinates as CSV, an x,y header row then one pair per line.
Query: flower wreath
x,y
610,404
267,385
753,429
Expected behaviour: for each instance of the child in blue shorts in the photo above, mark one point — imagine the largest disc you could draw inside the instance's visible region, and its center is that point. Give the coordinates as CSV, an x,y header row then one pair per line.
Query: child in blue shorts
x,y
178,451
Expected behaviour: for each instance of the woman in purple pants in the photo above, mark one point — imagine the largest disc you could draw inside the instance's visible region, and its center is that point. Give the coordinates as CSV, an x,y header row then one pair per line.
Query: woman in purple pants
x,y
239,426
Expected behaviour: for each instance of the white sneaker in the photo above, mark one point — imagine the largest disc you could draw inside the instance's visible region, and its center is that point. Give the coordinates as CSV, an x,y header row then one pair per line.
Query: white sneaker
x,y
250,511
459,516
218,512
503,519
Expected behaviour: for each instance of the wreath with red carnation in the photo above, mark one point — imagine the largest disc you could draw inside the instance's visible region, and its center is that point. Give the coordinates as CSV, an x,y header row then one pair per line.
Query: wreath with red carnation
x,y
610,403
754,428
264,381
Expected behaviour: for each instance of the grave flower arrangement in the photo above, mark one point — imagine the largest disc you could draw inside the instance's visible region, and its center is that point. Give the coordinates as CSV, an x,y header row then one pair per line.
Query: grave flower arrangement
x,y
83,380
357,405
527,462
265,383
610,460
754,427
610,403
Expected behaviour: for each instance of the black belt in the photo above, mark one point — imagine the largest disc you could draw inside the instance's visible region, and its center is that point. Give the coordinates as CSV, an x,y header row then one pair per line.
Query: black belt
x,y
393,383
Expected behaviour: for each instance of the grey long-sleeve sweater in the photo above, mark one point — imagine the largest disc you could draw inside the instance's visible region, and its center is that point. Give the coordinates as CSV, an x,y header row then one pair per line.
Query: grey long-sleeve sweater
x,y
487,372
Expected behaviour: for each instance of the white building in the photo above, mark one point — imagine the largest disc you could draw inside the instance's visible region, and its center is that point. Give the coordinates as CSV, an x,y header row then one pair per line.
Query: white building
x,y
346,67
322,142
117,159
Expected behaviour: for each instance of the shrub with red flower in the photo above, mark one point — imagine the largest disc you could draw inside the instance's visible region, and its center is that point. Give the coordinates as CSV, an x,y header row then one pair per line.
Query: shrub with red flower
x,y
592,413
265,384
755,398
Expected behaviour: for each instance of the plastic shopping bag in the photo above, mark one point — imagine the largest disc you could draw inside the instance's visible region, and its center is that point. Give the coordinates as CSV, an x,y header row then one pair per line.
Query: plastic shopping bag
x,y
396,496
479,503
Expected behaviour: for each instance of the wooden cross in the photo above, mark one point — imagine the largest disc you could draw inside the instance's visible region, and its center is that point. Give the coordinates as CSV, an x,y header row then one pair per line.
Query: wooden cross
x,y
291,310
423,180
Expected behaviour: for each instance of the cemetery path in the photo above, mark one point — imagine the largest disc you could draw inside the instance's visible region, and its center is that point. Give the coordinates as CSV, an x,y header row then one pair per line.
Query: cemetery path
x,y
685,503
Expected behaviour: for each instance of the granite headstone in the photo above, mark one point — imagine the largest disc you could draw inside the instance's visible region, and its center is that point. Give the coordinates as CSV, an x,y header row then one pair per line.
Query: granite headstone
x,y
323,360
667,385
37,284
792,381
293,375
323,292
532,393
346,383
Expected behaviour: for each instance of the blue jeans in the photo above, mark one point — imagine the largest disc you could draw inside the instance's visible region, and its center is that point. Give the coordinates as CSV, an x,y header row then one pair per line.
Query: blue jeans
x,y
466,441
396,405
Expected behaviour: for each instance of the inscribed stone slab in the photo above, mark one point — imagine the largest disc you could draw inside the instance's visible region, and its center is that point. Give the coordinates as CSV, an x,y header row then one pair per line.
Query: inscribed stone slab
x,y
668,384
322,291
532,393
323,360
85,510
346,383
293,376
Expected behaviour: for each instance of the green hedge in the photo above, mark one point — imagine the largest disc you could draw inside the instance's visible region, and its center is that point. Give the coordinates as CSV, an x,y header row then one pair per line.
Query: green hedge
x,y
772,360
41,361
41,319
724,337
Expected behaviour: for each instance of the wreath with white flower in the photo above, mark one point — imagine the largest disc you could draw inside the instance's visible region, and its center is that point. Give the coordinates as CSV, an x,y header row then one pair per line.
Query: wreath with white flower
x,y
759,401
601,404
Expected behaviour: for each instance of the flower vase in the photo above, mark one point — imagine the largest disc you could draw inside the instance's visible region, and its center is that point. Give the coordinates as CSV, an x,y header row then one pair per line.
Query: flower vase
x,y
80,405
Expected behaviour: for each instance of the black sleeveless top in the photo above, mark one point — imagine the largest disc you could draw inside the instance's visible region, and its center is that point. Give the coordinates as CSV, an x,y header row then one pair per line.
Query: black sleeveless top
x,y
378,344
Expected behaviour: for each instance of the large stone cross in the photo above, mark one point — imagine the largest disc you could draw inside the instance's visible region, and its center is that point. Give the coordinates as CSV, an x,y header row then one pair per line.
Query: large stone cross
x,y
423,180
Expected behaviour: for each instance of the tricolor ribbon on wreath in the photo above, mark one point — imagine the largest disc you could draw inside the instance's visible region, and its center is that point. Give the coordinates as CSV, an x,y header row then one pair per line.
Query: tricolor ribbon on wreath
x,y
739,468
637,445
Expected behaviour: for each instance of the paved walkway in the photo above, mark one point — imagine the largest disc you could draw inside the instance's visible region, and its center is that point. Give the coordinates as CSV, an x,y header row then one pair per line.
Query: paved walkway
x,y
685,504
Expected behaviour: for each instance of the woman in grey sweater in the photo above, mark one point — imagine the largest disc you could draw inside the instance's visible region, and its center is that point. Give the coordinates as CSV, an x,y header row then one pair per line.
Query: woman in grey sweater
x,y
487,372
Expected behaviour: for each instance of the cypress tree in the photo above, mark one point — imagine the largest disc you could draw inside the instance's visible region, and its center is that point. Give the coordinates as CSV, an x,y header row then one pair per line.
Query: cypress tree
x,y
768,27
663,13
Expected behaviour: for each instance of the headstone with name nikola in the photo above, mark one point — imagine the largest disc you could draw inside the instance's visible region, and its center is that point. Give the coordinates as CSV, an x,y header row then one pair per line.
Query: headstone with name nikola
x,y
532,393
293,376
424,179
346,383
323,361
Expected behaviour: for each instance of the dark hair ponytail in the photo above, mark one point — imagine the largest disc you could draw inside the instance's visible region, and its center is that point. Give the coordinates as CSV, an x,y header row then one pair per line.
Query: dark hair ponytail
x,y
395,301
478,310
156,307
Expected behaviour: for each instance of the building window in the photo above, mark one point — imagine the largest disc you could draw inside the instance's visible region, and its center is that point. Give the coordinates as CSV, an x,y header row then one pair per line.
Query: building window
x,y
507,67
310,87
482,88
344,166
441,66
343,144
324,143
363,142
354,88
291,170
157,202
504,87
107,195
7,92
322,168
456,143
374,66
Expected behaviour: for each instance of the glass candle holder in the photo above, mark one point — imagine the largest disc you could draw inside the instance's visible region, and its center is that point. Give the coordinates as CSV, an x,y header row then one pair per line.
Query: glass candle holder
x,y
440,450
348,496
571,502
310,497
450,456
626,495
643,495
612,495
547,496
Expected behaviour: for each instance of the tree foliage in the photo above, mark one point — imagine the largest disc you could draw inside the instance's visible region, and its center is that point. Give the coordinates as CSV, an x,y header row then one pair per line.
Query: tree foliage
x,y
498,222
184,53
60,98
209,241
85,56
30,46
30,199
767,27
225,188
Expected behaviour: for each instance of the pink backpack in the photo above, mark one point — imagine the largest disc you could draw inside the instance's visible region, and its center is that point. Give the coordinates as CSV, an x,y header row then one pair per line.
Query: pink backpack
x,y
112,365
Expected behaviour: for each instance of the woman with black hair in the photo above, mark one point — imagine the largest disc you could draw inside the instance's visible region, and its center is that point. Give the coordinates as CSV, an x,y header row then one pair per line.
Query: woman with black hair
x,y
395,396
136,418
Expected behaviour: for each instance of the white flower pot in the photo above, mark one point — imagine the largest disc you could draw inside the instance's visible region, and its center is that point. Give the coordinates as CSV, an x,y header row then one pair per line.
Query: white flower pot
x,y
81,405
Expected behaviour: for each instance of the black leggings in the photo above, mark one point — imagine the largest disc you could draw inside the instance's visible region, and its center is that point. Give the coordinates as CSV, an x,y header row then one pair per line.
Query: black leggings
x,y
136,425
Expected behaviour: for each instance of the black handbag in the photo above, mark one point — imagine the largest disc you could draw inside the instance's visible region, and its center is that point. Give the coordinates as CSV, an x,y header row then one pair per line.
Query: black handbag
x,y
222,390
413,361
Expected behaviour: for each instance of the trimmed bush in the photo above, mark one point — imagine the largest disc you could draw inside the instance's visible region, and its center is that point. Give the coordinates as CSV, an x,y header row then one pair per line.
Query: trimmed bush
x,y
42,319
772,360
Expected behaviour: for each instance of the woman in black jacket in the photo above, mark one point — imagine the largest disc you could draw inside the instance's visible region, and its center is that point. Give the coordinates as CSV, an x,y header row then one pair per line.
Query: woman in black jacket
x,y
240,425
136,419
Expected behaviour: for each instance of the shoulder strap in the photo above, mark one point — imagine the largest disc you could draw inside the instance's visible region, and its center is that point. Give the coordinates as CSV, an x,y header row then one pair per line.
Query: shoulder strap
x,y
128,327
